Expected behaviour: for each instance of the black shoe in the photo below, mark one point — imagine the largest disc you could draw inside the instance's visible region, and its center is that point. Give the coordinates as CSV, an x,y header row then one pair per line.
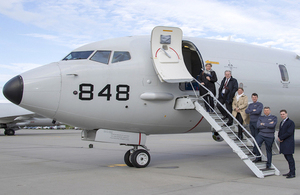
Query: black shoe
x,y
256,160
290,176
269,168
287,174
229,124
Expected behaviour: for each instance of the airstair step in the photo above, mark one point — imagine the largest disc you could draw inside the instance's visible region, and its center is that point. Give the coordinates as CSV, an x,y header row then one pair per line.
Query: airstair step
x,y
215,116
269,172
241,144
232,136
246,149
235,139
228,130
261,164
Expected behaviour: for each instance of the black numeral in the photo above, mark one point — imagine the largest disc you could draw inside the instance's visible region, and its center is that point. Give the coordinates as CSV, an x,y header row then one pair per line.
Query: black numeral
x,y
86,91
122,93
107,94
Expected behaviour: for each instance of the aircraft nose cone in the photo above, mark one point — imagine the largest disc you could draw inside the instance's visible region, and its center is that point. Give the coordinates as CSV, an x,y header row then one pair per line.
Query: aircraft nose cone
x,y
13,90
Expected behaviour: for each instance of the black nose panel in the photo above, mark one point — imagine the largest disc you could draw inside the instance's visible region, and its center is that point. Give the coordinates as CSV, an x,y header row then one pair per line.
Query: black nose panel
x,y
13,90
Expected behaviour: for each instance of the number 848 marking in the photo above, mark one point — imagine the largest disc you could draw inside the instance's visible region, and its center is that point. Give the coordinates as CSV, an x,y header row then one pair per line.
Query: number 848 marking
x,y
86,92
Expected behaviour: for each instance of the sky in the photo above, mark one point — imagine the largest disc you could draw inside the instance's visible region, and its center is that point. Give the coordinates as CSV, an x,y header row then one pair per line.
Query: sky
x,y
36,32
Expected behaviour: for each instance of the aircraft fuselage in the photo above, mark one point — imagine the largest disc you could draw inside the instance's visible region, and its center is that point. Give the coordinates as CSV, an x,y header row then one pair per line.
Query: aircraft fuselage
x,y
117,96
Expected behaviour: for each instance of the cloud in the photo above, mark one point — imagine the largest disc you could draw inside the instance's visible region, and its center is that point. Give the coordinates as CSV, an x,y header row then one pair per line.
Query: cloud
x,y
43,36
107,19
75,22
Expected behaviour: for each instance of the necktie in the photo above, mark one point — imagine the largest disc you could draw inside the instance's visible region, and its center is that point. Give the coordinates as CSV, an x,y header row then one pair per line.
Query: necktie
x,y
225,83
283,122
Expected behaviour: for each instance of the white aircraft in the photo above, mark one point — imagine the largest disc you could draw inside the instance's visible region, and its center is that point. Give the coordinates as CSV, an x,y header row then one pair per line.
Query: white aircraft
x,y
13,117
123,89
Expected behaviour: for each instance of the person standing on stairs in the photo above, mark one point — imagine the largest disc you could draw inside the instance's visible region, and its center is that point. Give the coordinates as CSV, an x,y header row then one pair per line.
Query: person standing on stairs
x,y
208,77
239,105
287,142
254,109
228,87
266,126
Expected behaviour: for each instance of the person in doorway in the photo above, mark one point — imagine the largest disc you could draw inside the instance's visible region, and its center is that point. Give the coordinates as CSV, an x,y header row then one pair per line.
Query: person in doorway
x,y
239,105
287,142
228,87
254,109
208,78
266,126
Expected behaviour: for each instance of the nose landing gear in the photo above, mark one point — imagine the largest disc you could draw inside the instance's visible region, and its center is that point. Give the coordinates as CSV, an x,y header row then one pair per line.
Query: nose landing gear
x,y
139,158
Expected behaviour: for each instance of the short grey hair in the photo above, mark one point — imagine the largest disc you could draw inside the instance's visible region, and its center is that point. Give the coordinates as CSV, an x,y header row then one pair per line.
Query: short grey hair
x,y
228,71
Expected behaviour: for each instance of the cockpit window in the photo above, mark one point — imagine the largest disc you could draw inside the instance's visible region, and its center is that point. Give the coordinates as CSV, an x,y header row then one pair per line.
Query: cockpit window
x,y
101,56
284,73
78,55
120,56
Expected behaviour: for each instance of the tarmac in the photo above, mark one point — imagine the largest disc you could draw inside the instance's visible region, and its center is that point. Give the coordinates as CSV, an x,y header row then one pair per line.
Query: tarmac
x,y
58,162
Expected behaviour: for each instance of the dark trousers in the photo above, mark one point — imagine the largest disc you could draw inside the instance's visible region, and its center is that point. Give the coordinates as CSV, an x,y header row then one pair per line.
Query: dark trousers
x,y
228,106
268,142
240,119
210,101
253,128
290,159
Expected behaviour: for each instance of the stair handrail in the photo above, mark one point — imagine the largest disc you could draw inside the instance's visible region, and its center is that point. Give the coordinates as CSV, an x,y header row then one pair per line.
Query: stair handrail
x,y
239,124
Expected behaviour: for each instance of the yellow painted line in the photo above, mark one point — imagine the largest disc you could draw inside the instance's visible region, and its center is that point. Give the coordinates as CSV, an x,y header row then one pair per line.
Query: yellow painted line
x,y
117,165
212,62
168,30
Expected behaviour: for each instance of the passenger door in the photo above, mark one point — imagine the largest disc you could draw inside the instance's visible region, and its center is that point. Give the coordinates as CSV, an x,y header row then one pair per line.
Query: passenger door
x,y
167,55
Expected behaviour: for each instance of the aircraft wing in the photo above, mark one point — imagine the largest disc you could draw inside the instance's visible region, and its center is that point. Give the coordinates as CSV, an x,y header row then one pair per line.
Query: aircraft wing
x,y
11,113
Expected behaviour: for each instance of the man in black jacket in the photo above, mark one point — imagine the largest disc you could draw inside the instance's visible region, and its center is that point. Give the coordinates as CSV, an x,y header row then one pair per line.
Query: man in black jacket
x,y
228,87
287,142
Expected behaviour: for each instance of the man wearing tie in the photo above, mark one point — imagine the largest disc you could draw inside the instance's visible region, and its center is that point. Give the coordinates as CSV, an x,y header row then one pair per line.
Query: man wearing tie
x,y
228,87
287,142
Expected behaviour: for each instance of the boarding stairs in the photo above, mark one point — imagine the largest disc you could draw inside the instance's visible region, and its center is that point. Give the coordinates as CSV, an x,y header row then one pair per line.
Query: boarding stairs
x,y
242,147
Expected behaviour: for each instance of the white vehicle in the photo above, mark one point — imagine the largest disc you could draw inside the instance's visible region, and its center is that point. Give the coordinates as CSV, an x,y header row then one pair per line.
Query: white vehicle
x,y
122,90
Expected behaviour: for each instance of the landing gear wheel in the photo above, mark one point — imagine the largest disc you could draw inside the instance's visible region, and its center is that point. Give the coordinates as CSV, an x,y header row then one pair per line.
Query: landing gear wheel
x,y
127,159
140,158
9,132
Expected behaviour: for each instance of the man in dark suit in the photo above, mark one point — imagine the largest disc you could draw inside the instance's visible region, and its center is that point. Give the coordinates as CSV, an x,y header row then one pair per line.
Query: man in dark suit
x,y
228,87
287,142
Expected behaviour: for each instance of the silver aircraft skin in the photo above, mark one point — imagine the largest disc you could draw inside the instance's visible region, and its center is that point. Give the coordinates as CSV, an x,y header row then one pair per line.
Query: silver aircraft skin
x,y
116,85
13,117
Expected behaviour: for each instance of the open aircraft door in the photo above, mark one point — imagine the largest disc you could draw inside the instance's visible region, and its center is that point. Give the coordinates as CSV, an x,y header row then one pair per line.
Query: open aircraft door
x,y
166,47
